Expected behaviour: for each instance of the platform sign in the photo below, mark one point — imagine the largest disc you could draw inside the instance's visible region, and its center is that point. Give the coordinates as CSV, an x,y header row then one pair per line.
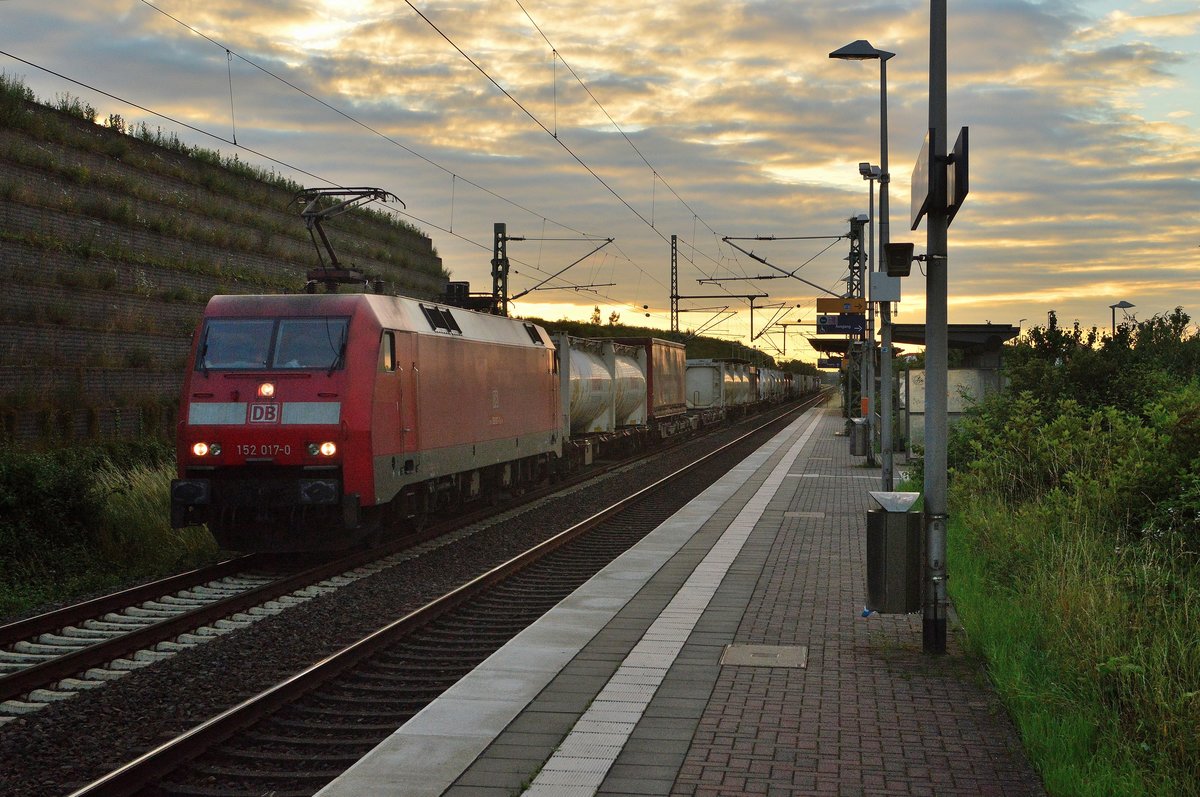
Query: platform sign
x,y
957,176
829,362
834,305
919,185
841,324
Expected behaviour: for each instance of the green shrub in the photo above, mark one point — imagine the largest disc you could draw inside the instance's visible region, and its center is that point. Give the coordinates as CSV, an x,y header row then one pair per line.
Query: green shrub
x,y
1076,574
74,521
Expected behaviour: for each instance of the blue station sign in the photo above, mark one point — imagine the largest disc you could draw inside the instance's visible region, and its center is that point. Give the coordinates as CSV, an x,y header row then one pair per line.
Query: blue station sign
x,y
841,324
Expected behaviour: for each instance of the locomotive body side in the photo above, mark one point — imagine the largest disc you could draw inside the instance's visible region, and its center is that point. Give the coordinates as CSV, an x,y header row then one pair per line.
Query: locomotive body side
x,y
485,405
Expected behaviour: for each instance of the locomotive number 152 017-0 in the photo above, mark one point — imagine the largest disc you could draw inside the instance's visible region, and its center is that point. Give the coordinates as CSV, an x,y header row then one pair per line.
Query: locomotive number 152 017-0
x,y
263,449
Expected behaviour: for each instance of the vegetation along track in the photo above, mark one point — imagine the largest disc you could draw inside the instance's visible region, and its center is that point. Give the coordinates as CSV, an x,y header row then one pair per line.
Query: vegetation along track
x,y
75,741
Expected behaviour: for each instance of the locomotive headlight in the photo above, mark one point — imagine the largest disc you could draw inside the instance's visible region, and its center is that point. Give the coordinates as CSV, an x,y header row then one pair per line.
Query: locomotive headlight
x,y
328,449
266,390
200,449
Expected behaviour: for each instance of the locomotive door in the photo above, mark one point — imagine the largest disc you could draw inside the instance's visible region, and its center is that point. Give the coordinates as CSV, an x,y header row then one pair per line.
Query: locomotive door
x,y
394,411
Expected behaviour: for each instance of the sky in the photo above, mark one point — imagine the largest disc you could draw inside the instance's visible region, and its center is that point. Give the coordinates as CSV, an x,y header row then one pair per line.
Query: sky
x,y
573,122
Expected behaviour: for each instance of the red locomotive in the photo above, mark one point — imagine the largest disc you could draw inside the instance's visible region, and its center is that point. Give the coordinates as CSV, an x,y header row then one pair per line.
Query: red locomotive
x,y
308,422
307,419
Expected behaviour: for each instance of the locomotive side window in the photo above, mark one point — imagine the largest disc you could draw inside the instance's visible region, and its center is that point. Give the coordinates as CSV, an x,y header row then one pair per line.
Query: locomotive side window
x,y
533,334
387,352
440,320
241,343
310,343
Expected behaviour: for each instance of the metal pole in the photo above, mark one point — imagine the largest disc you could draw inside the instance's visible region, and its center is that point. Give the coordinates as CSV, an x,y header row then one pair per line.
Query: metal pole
x,y
869,385
500,266
885,320
859,269
934,609
674,283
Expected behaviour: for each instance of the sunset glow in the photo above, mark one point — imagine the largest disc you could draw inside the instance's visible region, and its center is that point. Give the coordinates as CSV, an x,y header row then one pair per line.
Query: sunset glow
x,y
717,120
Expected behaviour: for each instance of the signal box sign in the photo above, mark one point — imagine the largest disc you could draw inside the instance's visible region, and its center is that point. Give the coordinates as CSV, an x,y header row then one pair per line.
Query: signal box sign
x,y
841,324
835,305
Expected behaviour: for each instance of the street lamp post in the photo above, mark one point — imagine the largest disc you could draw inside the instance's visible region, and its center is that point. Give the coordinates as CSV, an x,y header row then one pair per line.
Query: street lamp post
x,y
871,174
1124,305
861,50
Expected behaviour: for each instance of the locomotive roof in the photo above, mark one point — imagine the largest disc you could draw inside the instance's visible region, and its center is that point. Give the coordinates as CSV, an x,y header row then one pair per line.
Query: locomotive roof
x,y
391,312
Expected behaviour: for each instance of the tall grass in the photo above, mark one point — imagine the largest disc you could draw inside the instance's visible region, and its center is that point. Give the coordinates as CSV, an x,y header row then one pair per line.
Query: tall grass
x,y
76,522
1080,586
133,529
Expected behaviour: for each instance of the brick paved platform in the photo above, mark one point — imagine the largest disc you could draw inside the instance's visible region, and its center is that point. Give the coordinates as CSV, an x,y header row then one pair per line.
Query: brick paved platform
x,y
725,655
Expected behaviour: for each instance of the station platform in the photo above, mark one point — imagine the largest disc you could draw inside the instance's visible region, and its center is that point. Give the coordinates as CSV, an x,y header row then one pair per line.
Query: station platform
x,y
726,654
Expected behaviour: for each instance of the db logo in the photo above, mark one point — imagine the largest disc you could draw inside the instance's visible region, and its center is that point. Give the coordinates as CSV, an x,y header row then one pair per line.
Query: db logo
x,y
264,413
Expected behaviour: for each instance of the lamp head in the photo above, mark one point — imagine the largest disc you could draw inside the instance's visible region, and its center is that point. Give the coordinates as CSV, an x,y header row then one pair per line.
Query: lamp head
x,y
860,50
1121,305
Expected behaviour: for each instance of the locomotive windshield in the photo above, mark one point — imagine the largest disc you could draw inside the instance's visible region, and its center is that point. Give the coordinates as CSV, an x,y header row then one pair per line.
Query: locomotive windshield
x,y
275,343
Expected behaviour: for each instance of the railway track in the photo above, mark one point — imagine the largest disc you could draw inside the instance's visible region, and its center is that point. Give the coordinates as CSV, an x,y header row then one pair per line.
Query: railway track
x,y
55,656
58,654
301,733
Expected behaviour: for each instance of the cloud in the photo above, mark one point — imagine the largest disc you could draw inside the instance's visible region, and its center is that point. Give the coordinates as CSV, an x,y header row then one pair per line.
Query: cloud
x,y
1164,26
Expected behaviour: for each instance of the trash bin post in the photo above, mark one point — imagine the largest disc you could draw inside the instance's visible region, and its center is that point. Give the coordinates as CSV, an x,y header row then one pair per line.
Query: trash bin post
x,y
894,554
858,437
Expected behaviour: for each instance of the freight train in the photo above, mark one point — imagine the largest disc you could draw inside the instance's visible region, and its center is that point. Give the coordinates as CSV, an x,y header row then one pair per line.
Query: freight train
x,y
309,422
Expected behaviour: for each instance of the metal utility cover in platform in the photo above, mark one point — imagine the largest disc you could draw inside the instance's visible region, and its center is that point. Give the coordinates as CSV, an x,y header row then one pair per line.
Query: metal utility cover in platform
x,y
765,656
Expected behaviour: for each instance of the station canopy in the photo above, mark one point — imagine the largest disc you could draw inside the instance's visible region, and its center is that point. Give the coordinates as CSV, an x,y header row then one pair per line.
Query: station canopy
x,y
972,337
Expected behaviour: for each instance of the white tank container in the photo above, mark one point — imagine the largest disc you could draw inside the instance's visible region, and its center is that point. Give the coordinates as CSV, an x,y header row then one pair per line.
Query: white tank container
x,y
630,385
591,392
737,392
705,385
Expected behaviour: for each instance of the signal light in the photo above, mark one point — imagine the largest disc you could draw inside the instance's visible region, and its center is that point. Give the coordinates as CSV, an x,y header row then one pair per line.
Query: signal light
x,y
266,390
898,259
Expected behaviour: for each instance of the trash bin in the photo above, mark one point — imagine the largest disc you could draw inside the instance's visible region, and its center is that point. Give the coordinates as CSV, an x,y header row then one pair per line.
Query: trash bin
x,y
858,437
894,554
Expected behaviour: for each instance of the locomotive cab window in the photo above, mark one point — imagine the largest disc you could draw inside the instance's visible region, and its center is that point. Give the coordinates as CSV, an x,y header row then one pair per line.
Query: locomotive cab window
x,y
310,343
268,343
241,343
